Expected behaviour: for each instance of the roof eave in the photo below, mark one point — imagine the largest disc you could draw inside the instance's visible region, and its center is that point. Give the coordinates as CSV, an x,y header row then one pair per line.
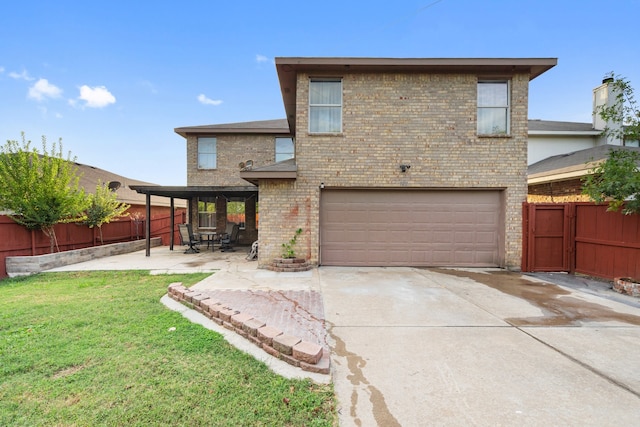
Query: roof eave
x,y
186,131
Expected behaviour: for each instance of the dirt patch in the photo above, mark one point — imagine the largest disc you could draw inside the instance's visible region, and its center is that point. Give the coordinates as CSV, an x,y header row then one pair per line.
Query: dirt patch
x,y
68,371
559,309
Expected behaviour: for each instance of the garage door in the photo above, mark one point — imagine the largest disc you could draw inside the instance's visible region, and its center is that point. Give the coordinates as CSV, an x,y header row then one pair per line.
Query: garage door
x,y
410,228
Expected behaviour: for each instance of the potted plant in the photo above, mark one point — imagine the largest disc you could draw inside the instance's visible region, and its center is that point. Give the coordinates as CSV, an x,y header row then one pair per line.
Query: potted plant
x,y
289,261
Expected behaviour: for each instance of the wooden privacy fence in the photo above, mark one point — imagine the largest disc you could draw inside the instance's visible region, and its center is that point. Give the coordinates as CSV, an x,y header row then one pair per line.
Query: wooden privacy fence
x,y
580,238
16,240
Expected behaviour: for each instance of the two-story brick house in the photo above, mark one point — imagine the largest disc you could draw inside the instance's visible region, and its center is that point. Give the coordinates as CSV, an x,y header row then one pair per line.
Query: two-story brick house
x,y
397,162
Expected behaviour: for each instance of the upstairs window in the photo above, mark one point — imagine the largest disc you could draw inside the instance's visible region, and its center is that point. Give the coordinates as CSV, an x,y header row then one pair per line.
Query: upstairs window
x,y
207,153
284,149
325,106
493,108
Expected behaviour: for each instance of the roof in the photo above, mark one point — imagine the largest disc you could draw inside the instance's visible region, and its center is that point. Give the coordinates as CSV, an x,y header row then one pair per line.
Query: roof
x,y
278,126
285,169
91,175
549,127
288,68
570,165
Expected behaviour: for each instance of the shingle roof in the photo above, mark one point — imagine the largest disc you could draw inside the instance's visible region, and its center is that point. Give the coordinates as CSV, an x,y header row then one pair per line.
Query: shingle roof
x,y
91,175
554,126
579,162
277,126
286,169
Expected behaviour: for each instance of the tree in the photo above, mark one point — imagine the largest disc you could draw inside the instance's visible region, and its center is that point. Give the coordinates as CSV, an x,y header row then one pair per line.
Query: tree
x,y
40,190
616,180
104,208
623,114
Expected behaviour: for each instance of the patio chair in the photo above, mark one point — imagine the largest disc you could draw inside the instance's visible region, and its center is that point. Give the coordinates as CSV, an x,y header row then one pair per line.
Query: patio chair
x,y
229,238
187,238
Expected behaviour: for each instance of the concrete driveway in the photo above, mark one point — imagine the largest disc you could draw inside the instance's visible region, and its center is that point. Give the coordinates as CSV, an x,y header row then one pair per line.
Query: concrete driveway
x,y
453,347
416,347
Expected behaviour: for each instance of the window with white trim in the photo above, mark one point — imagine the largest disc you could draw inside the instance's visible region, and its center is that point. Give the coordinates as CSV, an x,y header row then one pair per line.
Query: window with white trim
x,y
493,108
325,106
284,148
206,213
207,153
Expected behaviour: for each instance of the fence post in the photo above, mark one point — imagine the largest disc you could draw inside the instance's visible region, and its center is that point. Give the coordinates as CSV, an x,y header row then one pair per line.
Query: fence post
x,y
148,225
524,264
571,237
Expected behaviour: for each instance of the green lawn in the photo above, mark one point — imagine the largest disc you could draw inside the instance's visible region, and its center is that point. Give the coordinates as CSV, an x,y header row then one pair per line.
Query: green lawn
x,y
98,348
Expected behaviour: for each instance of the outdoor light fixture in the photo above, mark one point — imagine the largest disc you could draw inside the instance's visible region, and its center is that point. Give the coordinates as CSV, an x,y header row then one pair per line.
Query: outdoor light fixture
x,y
404,168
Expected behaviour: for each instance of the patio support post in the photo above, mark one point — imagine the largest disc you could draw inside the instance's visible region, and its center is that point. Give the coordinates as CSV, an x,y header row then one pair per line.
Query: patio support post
x,y
173,225
148,225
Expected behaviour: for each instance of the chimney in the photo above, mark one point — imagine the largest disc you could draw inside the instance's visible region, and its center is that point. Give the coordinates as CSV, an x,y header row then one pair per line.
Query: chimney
x,y
604,95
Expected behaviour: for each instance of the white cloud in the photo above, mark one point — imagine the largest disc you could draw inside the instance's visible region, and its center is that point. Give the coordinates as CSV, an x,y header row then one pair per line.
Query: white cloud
x,y
261,58
95,97
21,76
43,89
207,101
1,69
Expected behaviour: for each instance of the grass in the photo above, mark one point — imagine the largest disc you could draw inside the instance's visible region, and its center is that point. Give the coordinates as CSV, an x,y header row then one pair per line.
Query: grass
x,y
98,348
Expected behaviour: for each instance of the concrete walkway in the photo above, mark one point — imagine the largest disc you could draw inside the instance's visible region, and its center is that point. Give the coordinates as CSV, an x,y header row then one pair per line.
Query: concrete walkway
x,y
417,347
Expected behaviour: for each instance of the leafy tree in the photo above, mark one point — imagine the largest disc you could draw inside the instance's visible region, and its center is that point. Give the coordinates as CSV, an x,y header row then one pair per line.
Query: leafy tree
x,y
623,115
40,190
104,208
616,180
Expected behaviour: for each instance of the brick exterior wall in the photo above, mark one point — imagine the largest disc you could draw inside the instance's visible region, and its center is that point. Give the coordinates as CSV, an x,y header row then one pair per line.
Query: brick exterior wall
x,y
557,192
425,120
231,150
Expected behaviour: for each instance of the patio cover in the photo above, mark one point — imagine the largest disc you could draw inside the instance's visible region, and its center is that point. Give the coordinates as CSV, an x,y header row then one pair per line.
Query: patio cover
x,y
187,193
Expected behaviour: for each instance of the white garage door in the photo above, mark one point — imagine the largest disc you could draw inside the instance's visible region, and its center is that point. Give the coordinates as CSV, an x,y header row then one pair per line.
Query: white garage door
x,y
410,227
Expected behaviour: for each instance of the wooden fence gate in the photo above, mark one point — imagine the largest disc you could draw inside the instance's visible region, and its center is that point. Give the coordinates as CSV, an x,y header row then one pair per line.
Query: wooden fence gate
x,y
580,238
547,237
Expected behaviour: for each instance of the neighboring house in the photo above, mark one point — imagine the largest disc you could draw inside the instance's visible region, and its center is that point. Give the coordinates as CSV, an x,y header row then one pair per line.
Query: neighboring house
x,y
561,153
90,176
551,138
380,161
559,178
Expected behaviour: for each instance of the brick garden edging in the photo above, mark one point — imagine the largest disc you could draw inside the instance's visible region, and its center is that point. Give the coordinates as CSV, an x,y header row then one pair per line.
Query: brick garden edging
x,y
626,286
308,356
290,265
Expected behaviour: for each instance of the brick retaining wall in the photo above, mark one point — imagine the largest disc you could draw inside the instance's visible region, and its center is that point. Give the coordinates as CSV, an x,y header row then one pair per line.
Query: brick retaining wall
x,y
24,265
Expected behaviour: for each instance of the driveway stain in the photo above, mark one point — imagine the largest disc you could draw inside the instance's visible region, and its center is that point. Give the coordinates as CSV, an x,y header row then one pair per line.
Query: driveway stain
x,y
356,363
558,308
195,263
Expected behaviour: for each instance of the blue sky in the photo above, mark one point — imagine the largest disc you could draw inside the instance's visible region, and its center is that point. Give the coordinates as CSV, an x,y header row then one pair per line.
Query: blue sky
x,y
114,78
